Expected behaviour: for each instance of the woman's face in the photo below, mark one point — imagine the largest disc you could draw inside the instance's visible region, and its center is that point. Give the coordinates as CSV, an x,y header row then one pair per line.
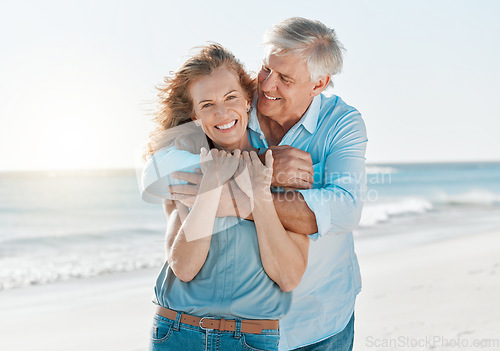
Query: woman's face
x,y
220,105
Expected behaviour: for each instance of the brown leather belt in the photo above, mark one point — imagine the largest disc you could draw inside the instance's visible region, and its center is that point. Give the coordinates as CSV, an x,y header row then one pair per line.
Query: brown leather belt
x,y
252,326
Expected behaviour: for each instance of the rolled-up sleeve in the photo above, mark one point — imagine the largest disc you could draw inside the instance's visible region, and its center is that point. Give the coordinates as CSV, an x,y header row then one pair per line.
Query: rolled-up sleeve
x,y
156,178
338,200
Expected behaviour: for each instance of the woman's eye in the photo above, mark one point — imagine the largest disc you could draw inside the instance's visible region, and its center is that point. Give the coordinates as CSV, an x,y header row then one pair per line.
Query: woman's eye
x,y
231,97
206,105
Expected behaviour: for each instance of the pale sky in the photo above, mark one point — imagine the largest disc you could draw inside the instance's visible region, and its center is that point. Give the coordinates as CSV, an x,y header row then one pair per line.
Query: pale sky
x,y
77,77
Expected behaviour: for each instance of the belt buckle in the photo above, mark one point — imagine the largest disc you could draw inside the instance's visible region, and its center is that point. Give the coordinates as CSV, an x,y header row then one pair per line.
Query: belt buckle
x,y
201,322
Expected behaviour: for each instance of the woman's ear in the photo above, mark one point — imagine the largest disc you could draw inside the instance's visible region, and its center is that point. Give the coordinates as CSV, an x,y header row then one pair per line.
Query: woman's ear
x,y
195,120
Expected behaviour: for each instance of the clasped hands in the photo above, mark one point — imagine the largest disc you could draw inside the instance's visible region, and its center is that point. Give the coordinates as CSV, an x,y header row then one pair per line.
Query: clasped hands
x,y
244,178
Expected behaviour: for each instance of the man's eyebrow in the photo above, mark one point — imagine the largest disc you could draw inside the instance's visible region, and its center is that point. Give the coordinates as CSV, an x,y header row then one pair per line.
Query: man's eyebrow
x,y
285,76
281,74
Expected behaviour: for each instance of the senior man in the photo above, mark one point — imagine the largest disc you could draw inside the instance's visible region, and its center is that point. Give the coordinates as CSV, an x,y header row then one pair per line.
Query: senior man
x,y
318,144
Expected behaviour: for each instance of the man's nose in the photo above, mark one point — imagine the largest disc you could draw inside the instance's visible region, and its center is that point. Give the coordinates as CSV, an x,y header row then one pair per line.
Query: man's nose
x,y
269,82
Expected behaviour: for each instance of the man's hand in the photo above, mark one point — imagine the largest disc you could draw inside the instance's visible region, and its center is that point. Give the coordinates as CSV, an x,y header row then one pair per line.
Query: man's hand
x,y
292,167
233,201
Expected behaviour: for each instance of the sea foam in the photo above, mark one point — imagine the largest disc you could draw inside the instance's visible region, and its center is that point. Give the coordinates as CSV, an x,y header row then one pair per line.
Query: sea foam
x,y
382,212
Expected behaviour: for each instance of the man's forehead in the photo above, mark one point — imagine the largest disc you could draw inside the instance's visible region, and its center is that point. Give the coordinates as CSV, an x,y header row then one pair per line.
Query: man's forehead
x,y
287,64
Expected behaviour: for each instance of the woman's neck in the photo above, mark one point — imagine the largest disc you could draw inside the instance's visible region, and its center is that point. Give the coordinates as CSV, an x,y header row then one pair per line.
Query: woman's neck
x,y
243,145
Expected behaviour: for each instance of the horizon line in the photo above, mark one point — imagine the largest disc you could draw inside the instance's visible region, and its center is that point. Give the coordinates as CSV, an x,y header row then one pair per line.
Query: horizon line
x,y
121,170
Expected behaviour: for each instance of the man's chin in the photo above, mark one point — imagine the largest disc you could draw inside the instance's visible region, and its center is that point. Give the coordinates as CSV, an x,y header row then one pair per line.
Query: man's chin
x,y
265,109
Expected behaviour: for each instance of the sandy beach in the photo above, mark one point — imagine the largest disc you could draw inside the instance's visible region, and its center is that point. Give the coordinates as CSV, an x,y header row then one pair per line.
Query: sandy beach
x,y
436,296
109,312
439,296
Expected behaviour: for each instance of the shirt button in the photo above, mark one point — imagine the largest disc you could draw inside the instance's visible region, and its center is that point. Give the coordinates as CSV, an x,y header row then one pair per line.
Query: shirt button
x,y
261,137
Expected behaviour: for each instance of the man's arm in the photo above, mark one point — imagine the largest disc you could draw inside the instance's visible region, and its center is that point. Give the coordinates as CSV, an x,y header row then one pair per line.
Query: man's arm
x,y
292,168
156,174
338,203
294,213
292,209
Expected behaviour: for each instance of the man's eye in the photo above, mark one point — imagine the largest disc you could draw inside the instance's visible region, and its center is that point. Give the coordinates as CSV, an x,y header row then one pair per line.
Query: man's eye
x,y
266,69
285,80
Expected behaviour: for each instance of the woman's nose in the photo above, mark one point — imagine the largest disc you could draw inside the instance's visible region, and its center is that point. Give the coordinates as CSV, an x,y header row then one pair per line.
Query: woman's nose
x,y
221,110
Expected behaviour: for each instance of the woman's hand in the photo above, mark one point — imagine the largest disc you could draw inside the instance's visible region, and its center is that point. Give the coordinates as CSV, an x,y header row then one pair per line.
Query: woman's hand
x,y
219,165
260,175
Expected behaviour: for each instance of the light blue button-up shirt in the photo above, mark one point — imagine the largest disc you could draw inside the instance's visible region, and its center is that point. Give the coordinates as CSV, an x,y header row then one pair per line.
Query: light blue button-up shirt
x,y
334,134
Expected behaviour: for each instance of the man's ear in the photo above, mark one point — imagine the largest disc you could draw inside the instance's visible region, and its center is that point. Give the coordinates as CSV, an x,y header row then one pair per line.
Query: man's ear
x,y
320,85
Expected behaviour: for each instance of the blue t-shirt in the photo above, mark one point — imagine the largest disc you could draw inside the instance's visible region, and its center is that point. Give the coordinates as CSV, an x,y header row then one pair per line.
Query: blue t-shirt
x,y
231,284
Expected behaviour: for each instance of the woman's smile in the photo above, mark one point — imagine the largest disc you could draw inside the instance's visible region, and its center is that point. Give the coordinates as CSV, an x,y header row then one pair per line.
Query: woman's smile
x,y
227,126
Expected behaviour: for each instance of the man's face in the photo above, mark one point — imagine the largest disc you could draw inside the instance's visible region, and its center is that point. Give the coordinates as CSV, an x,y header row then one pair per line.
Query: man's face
x,y
285,90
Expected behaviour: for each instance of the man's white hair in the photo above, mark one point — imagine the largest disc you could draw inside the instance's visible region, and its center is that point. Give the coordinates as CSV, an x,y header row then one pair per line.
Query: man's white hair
x,y
312,40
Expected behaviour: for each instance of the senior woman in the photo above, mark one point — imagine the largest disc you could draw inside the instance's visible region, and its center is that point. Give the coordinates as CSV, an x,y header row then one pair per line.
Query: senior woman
x,y
222,287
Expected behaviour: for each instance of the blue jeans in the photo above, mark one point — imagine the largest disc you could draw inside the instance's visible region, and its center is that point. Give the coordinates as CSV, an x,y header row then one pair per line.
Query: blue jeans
x,y
342,341
173,335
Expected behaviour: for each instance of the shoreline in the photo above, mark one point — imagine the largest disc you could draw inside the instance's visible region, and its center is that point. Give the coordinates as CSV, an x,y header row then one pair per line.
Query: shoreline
x,y
444,289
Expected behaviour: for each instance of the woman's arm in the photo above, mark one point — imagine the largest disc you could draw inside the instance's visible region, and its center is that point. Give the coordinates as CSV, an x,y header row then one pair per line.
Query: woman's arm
x,y
189,233
283,253
184,257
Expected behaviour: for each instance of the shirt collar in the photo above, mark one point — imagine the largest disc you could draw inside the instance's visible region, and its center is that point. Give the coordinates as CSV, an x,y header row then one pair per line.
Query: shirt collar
x,y
253,121
309,120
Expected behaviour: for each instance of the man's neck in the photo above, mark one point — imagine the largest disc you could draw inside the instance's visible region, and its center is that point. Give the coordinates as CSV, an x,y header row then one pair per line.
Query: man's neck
x,y
275,129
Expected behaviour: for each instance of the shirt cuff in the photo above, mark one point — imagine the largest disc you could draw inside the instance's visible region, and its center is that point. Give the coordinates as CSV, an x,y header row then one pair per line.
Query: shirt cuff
x,y
156,174
313,198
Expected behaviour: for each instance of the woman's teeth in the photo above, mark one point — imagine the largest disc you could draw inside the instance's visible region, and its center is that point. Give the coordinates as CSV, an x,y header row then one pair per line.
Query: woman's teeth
x,y
226,126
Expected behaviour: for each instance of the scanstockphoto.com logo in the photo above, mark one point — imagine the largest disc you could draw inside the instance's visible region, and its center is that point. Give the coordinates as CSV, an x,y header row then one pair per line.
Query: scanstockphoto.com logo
x,y
431,342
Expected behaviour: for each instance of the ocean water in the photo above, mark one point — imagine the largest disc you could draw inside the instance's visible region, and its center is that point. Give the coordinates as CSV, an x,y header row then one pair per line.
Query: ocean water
x,y
411,204
56,226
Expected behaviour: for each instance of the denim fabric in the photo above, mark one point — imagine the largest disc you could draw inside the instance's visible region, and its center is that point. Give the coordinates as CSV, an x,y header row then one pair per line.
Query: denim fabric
x,y
342,341
174,336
